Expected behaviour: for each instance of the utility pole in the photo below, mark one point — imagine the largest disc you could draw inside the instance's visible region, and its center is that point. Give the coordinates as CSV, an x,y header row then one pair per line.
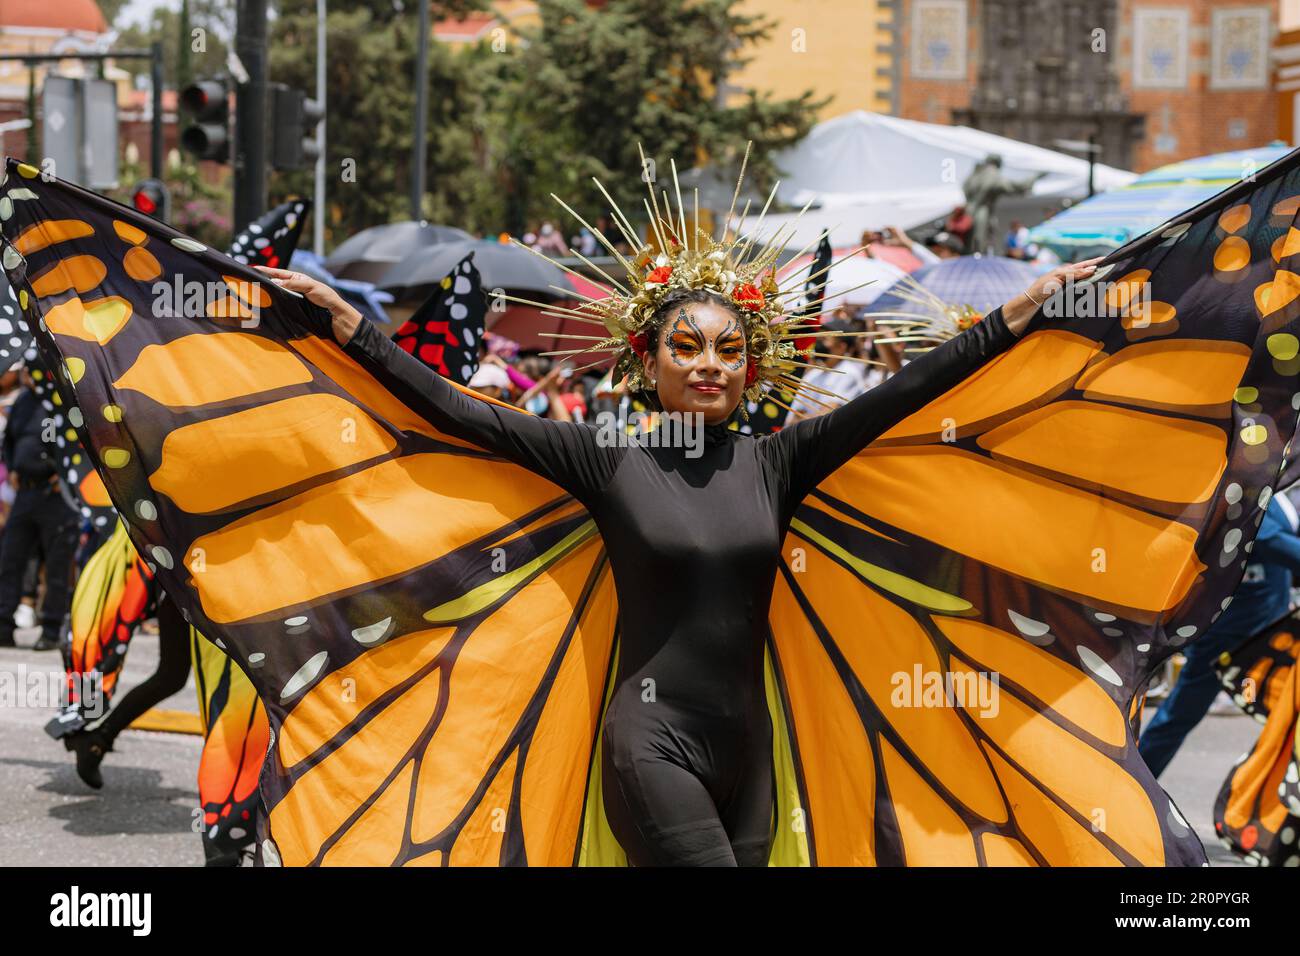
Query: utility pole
x,y
318,214
156,123
421,114
250,113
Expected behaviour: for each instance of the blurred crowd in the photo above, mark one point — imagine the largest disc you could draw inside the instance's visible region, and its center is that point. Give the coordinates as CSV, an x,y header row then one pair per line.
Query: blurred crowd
x,y
42,527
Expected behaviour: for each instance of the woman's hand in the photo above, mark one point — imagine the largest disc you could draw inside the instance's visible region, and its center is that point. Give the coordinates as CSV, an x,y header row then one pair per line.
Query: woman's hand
x,y
346,319
1021,309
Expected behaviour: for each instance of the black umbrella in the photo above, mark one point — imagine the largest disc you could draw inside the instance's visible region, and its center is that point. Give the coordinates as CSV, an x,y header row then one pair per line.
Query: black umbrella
x,y
369,254
501,265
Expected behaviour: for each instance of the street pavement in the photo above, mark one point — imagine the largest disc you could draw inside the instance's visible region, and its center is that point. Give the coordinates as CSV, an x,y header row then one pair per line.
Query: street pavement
x,y
145,814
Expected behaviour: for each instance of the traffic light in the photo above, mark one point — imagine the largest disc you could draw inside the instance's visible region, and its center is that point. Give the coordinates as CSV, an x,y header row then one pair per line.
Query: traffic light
x,y
293,127
151,197
208,135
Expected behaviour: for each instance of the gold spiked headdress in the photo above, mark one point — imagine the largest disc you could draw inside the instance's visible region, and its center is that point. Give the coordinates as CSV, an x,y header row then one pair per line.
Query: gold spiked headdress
x,y
776,337
930,320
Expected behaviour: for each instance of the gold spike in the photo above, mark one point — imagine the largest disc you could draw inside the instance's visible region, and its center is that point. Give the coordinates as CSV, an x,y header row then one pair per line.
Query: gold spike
x,y
595,268
547,305
654,227
575,335
736,195
740,223
749,243
577,351
560,265
583,368
861,361
598,234
776,401
819,303
620,220
812,365
670,223
803,394
578,318
793,226
829,334
654,216
807,386
695,236
575,294
681,209
817,275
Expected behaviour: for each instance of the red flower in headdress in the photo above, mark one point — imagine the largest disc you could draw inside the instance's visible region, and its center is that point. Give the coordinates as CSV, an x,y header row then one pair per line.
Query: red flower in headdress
x,y
748,296
751,372
639,342
659,276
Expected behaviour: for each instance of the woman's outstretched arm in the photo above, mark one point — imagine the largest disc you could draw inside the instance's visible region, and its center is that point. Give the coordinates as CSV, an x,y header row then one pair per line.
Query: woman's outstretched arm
x,y
566,453
807,452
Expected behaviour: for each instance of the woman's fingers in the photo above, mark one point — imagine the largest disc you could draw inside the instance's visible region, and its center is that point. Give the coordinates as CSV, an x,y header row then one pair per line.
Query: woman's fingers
x,y
275,273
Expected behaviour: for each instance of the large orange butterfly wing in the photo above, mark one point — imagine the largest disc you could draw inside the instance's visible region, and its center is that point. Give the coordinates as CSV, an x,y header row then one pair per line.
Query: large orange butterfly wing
x,y
969,609
430,629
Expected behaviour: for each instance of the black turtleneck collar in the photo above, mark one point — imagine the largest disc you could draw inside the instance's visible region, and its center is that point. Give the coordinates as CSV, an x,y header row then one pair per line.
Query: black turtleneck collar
x,y
721,432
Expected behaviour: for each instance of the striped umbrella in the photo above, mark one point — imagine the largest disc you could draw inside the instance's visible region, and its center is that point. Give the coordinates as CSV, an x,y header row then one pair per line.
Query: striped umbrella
x,y
1110,219
981,282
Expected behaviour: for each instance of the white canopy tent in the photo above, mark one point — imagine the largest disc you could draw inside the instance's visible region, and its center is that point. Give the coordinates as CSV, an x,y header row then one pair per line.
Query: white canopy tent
x,y
867,171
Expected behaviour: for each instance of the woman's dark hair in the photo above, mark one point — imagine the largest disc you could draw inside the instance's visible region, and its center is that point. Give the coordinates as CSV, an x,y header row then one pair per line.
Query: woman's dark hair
x,y
678,298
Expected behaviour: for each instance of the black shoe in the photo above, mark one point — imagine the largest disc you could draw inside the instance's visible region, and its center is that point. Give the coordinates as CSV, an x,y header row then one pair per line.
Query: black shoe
x,y
46,643
90,747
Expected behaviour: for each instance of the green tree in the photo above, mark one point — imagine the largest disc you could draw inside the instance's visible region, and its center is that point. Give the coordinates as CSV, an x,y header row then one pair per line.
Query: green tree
x,y
111,9
511,123
593,82
173,28
370,104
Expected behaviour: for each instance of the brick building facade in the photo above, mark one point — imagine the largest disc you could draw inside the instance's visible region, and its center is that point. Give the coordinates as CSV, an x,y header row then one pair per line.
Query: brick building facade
x,y
1155,81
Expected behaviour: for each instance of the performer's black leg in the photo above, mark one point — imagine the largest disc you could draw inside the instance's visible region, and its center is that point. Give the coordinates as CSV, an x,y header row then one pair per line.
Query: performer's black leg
x,y
173,670
662,815
747,811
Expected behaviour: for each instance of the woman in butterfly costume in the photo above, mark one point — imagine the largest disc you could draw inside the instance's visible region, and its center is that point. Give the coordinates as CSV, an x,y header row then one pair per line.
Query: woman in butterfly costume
x,y
483,639
694,540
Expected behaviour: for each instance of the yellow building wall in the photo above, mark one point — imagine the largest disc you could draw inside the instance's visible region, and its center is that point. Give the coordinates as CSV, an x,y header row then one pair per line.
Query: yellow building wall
x,y
833,47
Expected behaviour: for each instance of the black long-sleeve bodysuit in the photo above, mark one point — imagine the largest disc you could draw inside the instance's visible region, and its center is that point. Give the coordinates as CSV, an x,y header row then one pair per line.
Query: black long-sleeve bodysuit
x,y
694,545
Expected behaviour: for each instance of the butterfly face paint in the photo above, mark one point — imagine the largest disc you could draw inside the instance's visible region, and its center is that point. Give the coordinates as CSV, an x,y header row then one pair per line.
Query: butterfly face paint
x,y
700,363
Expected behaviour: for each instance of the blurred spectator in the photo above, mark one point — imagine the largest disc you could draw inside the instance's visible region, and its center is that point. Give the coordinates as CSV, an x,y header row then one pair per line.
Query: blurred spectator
x,y
869,237
942,245
42,520
1018,246
491,380
550,240
585,242
836,372
960,223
